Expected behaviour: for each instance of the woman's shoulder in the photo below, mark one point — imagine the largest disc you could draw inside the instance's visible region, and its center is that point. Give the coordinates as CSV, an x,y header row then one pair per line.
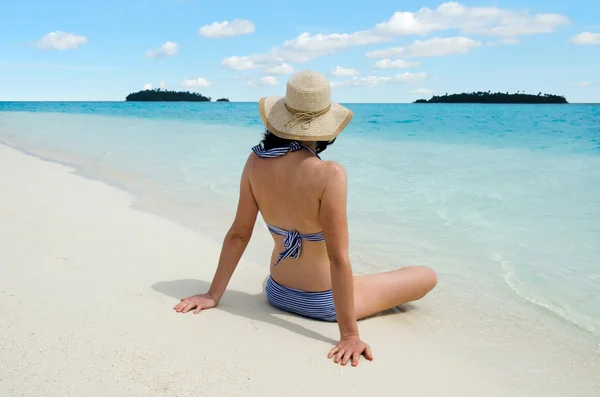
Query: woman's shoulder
x,y
333,167
333,173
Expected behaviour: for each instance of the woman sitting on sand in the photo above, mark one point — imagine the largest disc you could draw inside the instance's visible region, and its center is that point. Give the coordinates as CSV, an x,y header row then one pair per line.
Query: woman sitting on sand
x,y
303,201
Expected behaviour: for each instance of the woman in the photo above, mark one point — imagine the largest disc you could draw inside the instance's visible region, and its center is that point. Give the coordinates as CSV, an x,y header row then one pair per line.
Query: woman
x,y
303,201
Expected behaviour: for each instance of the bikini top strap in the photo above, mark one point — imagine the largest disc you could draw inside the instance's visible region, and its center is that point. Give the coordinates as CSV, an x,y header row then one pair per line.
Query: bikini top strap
x,y
280,151
310,150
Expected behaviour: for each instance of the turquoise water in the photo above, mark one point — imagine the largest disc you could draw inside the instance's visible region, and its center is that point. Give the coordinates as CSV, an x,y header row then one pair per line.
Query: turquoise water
x,y
503,201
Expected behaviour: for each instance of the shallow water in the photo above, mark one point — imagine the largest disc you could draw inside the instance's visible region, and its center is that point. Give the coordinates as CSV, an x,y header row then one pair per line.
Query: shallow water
x,y
502,201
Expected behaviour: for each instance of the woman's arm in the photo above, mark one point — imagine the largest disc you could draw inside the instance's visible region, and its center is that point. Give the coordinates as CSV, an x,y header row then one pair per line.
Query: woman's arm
x,y
335,228
234,244
237,238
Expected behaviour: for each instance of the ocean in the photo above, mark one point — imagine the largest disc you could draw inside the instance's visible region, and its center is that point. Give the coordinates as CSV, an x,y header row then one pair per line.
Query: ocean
x,y
503,201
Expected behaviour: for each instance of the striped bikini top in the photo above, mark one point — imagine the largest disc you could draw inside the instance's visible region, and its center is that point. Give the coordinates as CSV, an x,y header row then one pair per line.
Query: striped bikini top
x,y
293,240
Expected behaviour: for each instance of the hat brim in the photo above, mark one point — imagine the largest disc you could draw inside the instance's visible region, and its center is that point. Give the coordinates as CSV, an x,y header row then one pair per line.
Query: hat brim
x,y
326,127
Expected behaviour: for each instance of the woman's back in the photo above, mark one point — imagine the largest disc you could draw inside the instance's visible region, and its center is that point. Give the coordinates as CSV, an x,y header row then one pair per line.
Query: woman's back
x,y
288,191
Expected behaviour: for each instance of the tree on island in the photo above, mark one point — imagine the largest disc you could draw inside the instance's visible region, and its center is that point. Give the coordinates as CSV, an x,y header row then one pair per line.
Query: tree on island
x,y
158,95
498,97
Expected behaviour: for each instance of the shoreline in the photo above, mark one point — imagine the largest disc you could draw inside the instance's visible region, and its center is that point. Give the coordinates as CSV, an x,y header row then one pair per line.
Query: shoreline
x,y
99,287
150,196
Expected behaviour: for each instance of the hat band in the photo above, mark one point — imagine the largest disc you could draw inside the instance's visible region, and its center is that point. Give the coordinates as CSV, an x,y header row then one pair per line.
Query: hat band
x,y
303,118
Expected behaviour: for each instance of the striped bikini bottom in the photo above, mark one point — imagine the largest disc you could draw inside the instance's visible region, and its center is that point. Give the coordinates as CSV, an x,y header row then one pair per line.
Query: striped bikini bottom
x,y
315,305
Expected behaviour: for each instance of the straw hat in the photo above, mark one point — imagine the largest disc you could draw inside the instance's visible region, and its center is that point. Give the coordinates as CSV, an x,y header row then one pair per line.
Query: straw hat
x,y
306,113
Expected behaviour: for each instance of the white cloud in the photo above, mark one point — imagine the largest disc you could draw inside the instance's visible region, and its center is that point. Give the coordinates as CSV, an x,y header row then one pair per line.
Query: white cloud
x,y
491,21
339,71
586,38
503,41
148,86
162,85
582,84
60,41
434,47
397,64
165,50
307,47
227,29
239,63
302,49
268,80
196,82
371,81
264,81
422,91
284,68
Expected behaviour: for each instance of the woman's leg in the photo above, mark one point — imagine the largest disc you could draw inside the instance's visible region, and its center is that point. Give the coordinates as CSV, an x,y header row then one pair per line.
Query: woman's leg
x,y
378,292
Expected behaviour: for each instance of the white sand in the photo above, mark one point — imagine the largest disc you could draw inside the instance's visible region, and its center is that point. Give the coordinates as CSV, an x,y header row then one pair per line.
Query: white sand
x,y
87,287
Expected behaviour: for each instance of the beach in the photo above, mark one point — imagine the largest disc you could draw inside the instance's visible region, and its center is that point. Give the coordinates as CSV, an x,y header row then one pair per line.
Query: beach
x,y
112,212
86,296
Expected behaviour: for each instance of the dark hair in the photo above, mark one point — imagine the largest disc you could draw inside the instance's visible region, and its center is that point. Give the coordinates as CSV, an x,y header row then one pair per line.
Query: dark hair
x,y
271,141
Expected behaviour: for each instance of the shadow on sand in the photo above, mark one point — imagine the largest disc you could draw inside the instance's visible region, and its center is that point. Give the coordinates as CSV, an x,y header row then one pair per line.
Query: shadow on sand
x,y
253,307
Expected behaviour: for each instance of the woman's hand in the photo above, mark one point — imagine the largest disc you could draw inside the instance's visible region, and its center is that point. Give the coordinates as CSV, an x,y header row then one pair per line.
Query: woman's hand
x,y
350,348
198,302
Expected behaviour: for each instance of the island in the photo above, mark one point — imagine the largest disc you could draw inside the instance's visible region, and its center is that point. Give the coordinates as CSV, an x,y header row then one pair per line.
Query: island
x,y
158,95
496,97
223,100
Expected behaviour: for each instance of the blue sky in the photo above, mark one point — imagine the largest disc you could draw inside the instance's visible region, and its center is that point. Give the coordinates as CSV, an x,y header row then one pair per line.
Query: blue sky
x,y
375,51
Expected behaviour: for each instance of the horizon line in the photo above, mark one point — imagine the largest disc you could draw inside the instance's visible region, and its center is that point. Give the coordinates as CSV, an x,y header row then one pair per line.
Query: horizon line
x,y
230,101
